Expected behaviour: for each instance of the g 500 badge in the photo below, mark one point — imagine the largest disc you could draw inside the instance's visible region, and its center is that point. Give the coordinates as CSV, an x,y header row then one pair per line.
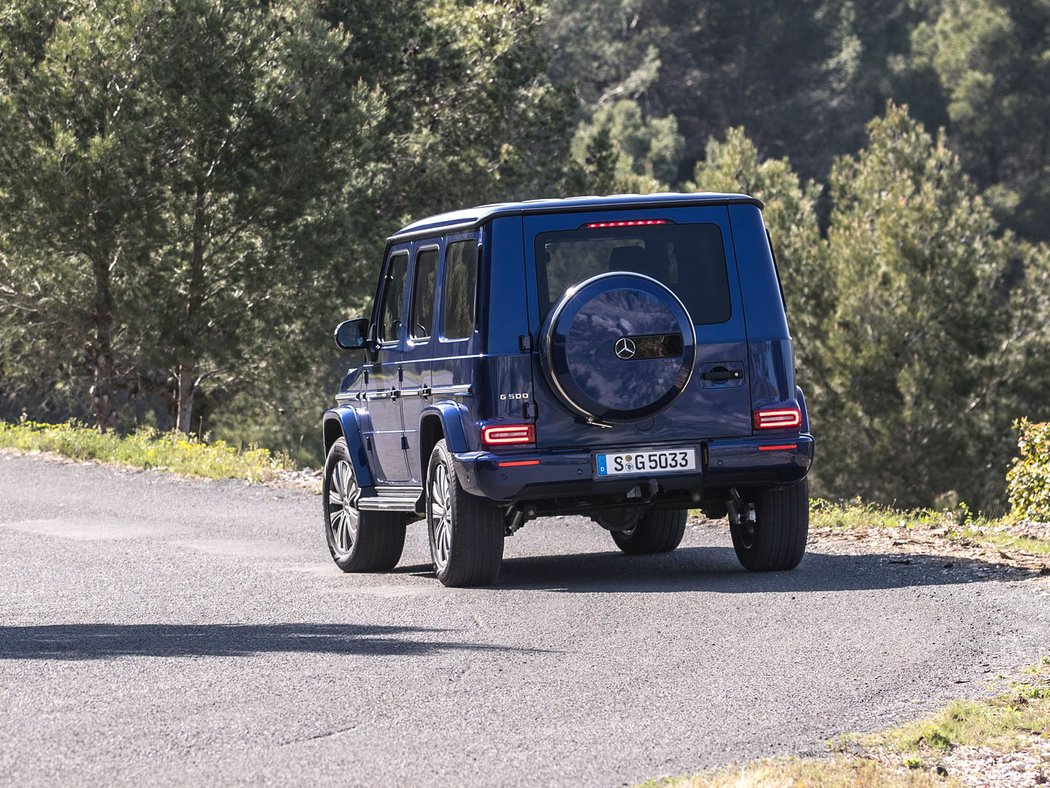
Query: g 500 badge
x,y
519,396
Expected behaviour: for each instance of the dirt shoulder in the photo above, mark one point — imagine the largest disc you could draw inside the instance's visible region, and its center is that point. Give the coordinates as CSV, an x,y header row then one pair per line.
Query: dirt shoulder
x,y
990,552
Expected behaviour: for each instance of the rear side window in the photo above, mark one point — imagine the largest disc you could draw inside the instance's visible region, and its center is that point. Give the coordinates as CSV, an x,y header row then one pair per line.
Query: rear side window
x,y
423,293
689,258
393,298
461,274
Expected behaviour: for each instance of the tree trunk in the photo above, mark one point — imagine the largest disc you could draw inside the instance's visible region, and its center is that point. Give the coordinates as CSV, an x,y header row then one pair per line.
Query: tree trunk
x,y
102,392
187,386
186,367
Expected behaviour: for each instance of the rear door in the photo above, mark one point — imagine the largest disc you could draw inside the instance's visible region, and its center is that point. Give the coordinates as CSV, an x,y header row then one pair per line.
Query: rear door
x,y
457,343
688,249
416,382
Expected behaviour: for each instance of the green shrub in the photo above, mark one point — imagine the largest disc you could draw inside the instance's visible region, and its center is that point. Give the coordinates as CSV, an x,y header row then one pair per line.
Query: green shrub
x,y
1028,479
146,448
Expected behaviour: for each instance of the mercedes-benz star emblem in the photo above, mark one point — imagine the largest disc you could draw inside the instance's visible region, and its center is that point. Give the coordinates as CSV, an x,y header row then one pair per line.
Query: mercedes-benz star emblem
x,y
625,348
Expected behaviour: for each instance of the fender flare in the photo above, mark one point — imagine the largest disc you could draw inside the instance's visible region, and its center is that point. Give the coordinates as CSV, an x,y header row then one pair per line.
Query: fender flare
x,y
348,422
451,417
802,406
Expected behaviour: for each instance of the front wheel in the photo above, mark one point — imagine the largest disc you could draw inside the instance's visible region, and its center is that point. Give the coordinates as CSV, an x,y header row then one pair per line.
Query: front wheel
x,y
775,538
466,532
657,531
358,541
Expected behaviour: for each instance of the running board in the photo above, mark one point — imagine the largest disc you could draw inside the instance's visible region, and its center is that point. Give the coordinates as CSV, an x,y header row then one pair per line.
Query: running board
x,y
391,499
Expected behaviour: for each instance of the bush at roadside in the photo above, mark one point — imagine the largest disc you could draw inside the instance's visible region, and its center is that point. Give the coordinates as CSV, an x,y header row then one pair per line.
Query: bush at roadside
x,y
1028,479
145,448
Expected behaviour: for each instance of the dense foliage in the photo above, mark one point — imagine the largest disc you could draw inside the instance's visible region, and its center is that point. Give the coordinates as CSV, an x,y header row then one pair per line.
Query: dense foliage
x,y
1029,476
178,177
193,192
919,315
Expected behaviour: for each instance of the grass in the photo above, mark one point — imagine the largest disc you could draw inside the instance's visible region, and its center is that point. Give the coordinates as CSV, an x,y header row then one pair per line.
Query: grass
x,y
1006,722
145,448
958,525
1015,721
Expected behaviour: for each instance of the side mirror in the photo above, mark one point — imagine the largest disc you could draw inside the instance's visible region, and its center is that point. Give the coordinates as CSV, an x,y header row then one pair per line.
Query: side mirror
x,y
352,334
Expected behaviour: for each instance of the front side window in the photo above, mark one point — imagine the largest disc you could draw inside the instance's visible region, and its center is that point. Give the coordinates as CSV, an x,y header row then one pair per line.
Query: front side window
x,y
423,293
688,258
461,275
393,298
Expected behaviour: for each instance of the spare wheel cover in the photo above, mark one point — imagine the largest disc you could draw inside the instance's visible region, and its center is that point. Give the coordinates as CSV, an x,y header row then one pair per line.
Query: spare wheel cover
x,y
618,347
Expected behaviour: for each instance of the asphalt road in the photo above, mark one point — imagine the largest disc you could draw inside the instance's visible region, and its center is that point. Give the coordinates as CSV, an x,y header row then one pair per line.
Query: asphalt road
x,y
161,630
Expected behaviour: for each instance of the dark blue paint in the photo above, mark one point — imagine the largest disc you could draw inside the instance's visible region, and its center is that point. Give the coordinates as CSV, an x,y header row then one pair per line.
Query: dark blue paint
x,y
451,416
572,474
387,455
474,217
352,425
739,463
501,364
772,373
715,412
506,317
578,348
801,399
763,309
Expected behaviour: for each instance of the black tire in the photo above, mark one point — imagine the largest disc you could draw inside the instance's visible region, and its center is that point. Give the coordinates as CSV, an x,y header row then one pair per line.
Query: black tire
x,y
376,543
777,539
658,531
466,532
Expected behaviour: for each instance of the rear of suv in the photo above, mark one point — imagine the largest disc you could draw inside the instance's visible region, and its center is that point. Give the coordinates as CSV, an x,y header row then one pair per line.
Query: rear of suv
x,y
625,358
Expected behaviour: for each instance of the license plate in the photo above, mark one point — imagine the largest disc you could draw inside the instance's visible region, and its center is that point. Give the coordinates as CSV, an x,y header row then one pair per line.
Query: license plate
x,y
646,461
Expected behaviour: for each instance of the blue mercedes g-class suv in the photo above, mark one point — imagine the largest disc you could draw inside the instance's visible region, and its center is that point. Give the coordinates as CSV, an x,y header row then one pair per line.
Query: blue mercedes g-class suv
x,y
625,358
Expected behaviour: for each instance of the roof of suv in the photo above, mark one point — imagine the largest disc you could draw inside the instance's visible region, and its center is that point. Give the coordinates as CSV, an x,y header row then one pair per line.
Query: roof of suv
x,y
471,217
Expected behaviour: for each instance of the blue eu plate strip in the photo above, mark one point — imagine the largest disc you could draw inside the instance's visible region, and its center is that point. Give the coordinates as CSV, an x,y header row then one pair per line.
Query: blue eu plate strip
x,y
602,469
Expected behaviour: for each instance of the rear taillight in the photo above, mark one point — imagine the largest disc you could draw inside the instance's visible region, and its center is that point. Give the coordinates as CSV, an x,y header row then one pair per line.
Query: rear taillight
x,y
508,434
777,419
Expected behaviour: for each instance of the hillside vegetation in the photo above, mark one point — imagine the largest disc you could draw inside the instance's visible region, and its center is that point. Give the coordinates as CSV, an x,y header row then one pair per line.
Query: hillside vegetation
x,y
193,193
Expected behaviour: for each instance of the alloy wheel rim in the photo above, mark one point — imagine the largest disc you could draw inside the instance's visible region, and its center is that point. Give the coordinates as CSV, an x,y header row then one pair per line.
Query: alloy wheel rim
x,y
440,502
343,515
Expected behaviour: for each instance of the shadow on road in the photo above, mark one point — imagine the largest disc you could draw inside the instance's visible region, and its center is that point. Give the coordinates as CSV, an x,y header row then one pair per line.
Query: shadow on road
x,y
103,641
716,569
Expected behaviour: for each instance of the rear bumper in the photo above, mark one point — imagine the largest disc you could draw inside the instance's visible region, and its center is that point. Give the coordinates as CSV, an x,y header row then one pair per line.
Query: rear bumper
x,y
531,476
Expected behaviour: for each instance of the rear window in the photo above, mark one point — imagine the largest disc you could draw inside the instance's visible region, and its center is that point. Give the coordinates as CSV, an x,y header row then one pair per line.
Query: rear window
x,y
461,273
689,258
423,293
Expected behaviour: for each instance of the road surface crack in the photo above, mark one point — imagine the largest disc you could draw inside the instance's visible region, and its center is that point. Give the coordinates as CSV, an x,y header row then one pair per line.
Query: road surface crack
x,y
324,735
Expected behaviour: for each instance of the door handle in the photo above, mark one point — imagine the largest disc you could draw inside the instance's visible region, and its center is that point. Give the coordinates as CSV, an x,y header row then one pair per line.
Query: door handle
x,y
722,374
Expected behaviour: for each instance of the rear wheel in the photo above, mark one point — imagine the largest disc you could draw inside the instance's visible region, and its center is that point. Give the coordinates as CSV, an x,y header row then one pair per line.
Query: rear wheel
x,y
658,531
776,537
466,532
358,541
